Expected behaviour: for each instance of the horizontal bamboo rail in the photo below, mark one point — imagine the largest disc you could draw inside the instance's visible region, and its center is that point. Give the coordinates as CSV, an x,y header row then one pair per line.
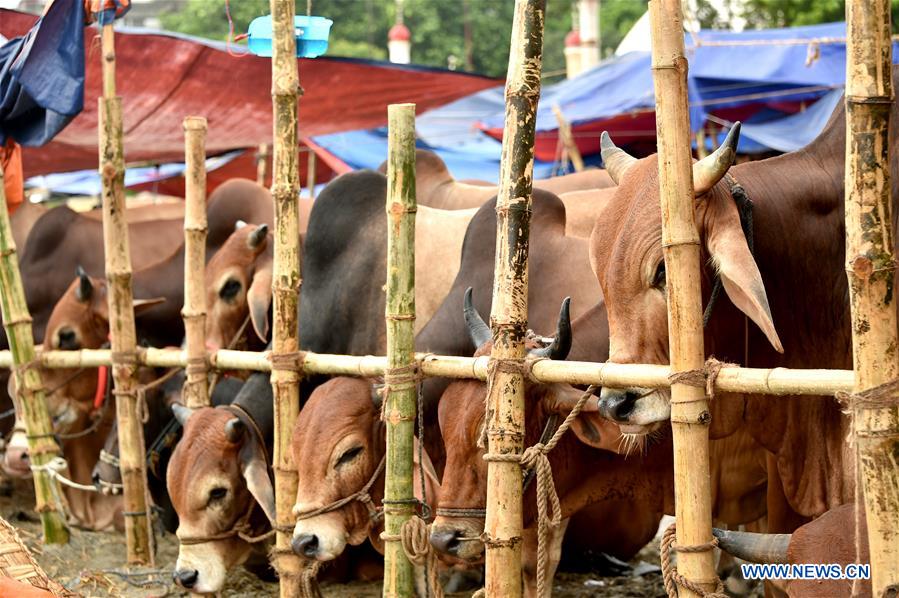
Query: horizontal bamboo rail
x,y
771,381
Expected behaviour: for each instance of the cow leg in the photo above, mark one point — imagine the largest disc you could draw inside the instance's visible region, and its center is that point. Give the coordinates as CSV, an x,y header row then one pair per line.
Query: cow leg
x,y
529,558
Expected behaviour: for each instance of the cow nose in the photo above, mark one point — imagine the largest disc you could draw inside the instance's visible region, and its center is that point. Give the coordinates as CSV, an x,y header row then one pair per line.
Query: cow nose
x,y
446,540
67,339
305,545
617,405
186,578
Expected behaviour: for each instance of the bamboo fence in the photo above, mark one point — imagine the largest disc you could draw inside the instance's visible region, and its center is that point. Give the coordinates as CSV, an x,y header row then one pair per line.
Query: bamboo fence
x,y
138,528
30,403
871,269
400,381
680,242
285,286
509,313
194,310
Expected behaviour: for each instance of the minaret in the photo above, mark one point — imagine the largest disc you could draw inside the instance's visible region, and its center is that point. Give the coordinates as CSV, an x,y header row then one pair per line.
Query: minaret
x,y
589,31
572,54
399,39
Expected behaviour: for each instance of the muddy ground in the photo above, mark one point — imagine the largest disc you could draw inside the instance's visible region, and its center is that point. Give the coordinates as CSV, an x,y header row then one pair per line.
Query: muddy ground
x,y
92,565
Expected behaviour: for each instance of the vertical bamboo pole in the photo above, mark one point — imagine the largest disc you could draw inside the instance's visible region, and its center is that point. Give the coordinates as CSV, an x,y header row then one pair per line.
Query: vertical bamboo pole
x,y
565,134
286,283
871,270
505,423
680,240
138,531
310,173
194,310
400,315
32,408
261,158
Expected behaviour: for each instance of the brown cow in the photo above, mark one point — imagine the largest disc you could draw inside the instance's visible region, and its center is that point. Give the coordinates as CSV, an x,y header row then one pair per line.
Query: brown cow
x,y
806,294
338,445
628,496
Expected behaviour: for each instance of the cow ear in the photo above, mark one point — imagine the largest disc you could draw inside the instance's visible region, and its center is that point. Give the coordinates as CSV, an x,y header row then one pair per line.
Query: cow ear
x,y
142,305
259,298
589,427
255,472
739,273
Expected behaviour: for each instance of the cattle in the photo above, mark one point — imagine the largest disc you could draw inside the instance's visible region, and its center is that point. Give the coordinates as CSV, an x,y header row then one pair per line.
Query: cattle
x,y
435,186
338,446
794,280
218,481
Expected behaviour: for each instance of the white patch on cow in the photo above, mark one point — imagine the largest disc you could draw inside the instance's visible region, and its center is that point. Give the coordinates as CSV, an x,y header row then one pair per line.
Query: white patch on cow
x,y
16,463
328,528
207,559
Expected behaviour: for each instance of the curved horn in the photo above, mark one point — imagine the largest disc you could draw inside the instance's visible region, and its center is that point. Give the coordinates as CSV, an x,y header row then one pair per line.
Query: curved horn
x,y
616,160
85,289
478,330
234,430
561,344
755,548
239,224
181,413
256,238
711,169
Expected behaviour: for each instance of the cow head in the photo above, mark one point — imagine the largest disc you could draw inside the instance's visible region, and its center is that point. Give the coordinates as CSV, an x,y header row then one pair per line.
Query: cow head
x,y
239,282
216,476
626,255
461,417
337,445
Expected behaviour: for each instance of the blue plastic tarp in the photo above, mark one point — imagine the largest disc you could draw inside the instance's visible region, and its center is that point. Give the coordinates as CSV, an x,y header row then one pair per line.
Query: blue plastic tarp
x,y
42,76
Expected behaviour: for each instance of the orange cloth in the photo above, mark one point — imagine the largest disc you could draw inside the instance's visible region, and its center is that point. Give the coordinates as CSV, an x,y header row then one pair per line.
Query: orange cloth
x,y
13,181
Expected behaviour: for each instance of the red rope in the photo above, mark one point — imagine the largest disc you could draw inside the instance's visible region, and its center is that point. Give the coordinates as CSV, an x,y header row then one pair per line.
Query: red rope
x,y
231,38
100,395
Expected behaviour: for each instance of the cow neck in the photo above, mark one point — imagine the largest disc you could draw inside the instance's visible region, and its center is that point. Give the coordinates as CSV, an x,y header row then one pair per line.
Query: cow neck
x,y
258,406
163,279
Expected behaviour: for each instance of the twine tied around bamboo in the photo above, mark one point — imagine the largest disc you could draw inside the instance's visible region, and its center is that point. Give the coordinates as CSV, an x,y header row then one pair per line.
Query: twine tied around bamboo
x,y
523,367
415,537
883,396
291,361
706,377
670,575
549,511
405,377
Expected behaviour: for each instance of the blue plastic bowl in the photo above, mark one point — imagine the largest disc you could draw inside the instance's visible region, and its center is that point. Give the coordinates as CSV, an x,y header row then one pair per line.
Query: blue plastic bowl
x,y
311,34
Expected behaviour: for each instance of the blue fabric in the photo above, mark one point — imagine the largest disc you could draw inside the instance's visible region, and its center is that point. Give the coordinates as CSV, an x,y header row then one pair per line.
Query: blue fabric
x,y
793,132
108,15
42,76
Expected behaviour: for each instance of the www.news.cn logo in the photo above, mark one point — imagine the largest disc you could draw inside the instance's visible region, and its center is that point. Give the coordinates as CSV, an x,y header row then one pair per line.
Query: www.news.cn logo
x,y
806,571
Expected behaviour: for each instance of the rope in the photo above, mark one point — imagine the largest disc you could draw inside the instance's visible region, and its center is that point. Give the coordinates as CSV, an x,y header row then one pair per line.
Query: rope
x,y
884,396
291,361
415,536
549,511
53,469
398,379
669,572
706,377
308,582
360,495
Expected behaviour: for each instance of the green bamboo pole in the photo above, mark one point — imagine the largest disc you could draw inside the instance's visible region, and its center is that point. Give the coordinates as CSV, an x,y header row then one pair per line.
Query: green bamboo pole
x,y
194,310
400,315
871,269
680,242
138,529
285,285
31,406
505,416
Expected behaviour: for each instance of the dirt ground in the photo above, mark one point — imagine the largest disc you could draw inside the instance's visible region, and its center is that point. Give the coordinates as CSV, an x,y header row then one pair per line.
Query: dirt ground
x,y
92,565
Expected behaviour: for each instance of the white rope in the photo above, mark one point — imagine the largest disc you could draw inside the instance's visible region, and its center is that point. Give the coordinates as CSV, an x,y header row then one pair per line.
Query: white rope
x,y
53,469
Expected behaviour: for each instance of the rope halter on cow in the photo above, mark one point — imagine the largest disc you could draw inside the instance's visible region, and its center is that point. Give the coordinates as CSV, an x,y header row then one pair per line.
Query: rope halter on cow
x,y
670,575
362,495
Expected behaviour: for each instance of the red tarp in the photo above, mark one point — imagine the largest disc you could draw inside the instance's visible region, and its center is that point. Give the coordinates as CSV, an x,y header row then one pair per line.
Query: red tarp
x,y
164,78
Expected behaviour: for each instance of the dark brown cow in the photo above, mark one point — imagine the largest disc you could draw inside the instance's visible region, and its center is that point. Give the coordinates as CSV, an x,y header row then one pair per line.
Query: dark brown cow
x,y
338,445
799,254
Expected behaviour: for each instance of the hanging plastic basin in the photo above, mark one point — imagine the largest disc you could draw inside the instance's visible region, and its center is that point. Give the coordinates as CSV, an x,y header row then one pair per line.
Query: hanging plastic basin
x,y
311,34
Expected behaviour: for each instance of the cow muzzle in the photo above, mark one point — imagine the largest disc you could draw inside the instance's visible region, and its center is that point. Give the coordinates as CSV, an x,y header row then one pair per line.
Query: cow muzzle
x,y
321,538
637,410
460,540
200,569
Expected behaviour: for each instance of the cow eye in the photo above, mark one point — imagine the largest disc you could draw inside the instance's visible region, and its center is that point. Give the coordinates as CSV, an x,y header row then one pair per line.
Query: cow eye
x,y
217,494
348,455
229,290
658,279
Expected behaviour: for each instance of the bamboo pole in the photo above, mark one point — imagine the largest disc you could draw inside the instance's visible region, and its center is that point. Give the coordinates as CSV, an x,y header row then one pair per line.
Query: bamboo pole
x,y
261,163
285,285
871,268
574,154
310,173
400,383
680,242
194,310
508,317
769,381
138,530
30,405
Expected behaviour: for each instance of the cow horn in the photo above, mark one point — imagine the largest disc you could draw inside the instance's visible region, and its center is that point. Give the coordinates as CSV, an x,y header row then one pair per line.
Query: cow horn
x,y
755,548
181,413
85,289
234,430
616,160
478,330
561,344
377,395
254,241
239,224
711,169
